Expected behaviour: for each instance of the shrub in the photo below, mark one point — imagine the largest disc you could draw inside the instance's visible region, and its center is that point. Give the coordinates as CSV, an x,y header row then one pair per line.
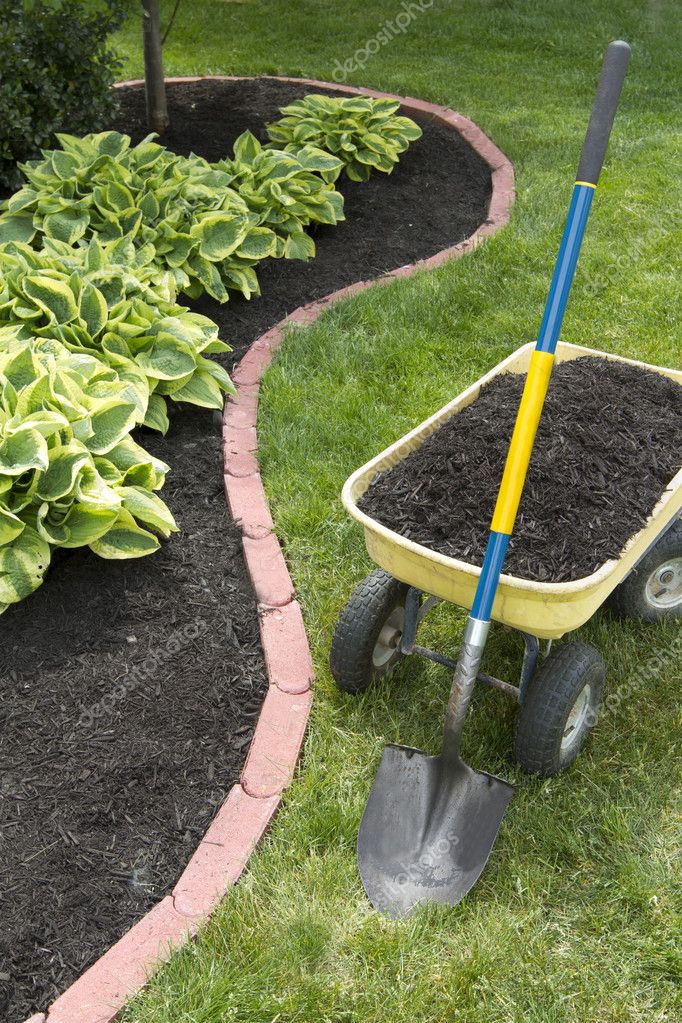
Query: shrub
x,y
110,301
201,230
57,73
363,132
70,474
286,191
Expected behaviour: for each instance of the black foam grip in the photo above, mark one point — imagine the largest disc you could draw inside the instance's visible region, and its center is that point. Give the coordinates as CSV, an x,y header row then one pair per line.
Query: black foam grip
x,y
603,111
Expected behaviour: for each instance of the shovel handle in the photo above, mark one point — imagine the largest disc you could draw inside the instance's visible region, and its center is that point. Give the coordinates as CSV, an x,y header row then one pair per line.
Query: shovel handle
x,y
542,360
535,390
611,81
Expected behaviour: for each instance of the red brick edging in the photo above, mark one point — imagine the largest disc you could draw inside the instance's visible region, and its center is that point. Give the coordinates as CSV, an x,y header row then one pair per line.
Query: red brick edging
x,y
97,996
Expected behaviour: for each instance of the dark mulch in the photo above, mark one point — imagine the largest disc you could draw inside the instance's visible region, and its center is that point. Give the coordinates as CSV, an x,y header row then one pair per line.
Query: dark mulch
x,y
98,820
609,443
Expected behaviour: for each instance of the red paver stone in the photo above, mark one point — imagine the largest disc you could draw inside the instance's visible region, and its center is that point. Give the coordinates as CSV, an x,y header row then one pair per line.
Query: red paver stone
x,y
277,741
286,649
100,992
305,313
240,438
273,338
268,571
239,447
241,408
222,854
498,211
503,180
241,463
252,366
248,504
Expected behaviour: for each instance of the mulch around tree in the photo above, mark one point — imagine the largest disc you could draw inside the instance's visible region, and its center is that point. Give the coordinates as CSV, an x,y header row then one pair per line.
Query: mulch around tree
x,y
131,689
607,447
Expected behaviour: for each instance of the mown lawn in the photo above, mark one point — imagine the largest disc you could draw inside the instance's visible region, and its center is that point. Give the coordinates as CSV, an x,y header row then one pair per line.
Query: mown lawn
x,y
579,914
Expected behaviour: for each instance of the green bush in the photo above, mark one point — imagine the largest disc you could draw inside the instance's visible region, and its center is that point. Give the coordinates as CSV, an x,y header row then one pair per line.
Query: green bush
x,y
70,474
112,302
57,73
286,191
364,133
201,230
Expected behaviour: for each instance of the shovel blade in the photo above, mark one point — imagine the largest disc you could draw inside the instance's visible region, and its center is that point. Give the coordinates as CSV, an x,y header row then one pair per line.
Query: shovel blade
x,y
428,829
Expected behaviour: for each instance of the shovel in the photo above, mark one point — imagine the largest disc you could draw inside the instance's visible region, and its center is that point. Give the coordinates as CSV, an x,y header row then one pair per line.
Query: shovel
x,y
431,821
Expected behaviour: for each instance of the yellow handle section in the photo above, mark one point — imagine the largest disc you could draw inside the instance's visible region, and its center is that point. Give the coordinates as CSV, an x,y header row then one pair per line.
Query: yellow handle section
x,y
523,438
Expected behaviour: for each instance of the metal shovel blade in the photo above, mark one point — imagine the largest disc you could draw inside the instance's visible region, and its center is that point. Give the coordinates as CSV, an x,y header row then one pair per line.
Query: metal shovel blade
x,y
428,829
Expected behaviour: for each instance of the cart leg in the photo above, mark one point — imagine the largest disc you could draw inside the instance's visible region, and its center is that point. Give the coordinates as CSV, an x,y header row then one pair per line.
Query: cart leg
x,y
531,653
412,618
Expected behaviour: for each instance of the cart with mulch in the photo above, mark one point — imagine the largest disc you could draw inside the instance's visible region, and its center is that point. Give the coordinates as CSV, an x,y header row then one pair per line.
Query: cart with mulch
x,y
559,693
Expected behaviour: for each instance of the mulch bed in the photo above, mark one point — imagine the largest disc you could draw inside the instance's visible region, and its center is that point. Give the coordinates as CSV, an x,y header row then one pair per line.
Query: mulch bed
x,y
131,689
608,445
436,196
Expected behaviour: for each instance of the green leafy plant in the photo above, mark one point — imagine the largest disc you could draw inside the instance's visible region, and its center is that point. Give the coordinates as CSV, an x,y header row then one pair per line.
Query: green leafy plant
x,y
286,191
200,229
70,474
110,301
364,133
57,73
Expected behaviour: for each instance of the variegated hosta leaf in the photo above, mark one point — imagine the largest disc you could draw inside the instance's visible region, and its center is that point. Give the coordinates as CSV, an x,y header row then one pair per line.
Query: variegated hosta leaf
x,y
23,563
361,132
125,539
70,474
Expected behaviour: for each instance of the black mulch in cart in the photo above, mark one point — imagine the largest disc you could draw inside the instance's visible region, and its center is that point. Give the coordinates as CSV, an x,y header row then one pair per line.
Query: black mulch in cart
x,y
609,443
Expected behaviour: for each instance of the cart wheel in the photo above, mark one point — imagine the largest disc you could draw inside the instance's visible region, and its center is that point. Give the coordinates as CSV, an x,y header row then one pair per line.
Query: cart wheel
x,y
365,643
653,590
560,709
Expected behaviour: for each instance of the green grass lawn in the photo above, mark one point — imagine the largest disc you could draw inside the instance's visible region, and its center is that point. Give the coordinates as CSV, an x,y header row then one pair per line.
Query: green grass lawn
x,y
578,915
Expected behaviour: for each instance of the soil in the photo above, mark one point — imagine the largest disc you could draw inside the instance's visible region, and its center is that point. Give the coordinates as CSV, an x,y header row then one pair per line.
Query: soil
x,y
607,447
131,689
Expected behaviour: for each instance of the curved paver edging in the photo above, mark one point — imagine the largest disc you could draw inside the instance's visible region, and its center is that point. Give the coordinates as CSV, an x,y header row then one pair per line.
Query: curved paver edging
x,y
97,996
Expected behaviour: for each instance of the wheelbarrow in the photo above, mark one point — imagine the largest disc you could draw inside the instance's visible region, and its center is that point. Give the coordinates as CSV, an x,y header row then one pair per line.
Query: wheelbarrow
x,y
431,821
560,686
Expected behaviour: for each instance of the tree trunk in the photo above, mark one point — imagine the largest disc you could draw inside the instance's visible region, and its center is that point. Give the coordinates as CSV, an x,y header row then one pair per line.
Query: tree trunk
x,y
154,82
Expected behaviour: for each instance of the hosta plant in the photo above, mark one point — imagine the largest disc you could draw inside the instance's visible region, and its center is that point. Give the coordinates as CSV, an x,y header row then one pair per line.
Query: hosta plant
x,y
70,474
111,301
364,133
201,230
286,191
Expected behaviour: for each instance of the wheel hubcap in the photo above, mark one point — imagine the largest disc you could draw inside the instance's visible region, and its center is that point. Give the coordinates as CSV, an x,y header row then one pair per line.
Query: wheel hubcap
x,y
664,585
576,719
389,638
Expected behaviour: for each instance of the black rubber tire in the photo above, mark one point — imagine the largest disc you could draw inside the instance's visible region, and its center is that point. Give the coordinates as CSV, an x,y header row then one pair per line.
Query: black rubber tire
x,y
630,600
355,637
550,697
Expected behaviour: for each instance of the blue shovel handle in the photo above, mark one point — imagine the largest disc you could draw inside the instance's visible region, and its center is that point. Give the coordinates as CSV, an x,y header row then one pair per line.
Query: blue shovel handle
x,y
535,389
